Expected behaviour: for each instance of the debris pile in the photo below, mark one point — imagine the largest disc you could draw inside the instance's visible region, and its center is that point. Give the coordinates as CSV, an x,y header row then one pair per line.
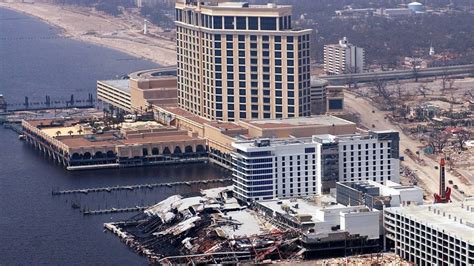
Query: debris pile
x,y
367,259
211,228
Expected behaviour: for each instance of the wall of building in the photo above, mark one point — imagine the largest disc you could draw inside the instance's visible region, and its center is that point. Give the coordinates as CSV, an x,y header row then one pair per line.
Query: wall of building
x,y
432,235
362,221
161,91
114,96
276,170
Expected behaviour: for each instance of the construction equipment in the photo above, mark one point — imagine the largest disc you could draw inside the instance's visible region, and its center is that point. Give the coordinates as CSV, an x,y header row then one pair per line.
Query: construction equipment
x,y
444,192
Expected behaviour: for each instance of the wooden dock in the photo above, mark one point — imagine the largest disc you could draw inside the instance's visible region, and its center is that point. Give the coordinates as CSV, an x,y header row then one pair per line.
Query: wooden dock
x,y
116,210
140,186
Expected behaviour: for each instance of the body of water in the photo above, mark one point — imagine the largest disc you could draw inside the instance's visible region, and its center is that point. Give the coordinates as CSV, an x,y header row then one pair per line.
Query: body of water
x,y
36,227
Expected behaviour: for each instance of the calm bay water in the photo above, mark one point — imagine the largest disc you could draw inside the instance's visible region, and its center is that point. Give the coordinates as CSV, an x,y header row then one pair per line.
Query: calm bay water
x,y
35,227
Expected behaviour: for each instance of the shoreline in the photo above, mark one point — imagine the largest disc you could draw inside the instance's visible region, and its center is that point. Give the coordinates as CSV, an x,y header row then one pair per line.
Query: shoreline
x,y
122,33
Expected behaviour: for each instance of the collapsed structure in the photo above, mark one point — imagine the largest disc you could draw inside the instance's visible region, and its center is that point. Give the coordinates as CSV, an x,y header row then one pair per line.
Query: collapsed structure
x,y
214,228
209,228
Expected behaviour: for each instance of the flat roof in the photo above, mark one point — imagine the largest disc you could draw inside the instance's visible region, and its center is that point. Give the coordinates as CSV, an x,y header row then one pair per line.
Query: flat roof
x,y
181,112
61,131
155,73
110,139
305,206
462,227
390,186
272,142
225,125
316,120
310,206
120,84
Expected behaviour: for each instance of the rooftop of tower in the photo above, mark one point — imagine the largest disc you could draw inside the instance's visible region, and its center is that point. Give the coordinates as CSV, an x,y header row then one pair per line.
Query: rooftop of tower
x,y
226,5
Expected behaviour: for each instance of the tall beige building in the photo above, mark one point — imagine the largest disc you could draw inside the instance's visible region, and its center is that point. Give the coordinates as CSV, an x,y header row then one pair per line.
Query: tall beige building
x,y
239,61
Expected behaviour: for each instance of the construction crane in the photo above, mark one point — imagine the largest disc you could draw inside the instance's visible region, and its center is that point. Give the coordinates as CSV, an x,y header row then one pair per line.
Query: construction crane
x,y
444,192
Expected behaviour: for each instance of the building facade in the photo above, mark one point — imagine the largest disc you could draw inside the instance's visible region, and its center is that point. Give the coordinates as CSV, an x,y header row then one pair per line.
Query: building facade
x,y
343,58
326,99
115,93
318,96
267,169
369,156
435,234
377,196
239,61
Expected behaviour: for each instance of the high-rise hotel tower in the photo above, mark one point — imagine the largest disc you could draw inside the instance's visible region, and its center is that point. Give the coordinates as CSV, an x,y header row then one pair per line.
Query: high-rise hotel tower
x,y
238,61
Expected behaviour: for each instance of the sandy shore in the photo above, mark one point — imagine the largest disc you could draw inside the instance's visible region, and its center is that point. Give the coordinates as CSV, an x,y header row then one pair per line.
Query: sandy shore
x,y
122,33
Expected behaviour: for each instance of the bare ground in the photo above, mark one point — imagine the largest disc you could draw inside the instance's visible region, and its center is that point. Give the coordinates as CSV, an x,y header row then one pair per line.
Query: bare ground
x,y
373,118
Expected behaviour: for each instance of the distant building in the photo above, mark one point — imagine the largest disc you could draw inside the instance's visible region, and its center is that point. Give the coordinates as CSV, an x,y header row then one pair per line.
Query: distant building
x,y
318,96
335,99
359,157
343,57
238,61
416,7
355,13
435,234
326,99
393,12
268,169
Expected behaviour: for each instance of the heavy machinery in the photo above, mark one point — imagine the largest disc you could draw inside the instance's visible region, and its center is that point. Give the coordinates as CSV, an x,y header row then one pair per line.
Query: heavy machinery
x,y
444,192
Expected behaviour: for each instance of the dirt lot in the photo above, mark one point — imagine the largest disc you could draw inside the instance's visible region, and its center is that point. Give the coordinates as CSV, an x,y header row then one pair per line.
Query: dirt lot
x,y
372,118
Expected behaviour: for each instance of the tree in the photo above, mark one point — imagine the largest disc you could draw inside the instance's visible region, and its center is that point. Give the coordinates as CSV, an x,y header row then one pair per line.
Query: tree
x,y
437,140
451,91
463,136
415,65
70,132
80,131
58,133
379,86
423,90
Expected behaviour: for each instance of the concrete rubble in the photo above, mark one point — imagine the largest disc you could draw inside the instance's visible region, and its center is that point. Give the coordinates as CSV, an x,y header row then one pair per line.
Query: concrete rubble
x,y
210,228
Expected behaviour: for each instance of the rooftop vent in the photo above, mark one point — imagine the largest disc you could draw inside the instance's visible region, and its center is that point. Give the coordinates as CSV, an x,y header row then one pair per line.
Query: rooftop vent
x,y
262,142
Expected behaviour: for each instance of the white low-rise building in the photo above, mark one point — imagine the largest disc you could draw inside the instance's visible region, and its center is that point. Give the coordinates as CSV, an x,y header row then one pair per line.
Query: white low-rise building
x,y
376,195
358,157
320,216
267,169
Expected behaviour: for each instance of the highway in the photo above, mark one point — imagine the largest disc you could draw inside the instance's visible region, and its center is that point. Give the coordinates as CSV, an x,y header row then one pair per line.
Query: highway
x,y
398,74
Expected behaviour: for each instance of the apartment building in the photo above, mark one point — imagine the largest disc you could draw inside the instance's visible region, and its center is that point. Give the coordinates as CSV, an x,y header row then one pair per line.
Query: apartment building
x,y
358,157
267,169
343,57
238,61
435,234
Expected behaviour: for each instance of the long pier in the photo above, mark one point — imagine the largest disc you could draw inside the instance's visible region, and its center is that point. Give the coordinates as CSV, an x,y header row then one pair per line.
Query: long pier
x,y
133,187
116,210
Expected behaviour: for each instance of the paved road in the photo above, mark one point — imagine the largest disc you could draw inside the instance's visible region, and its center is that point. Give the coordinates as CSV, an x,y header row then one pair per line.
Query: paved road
x,y
428,175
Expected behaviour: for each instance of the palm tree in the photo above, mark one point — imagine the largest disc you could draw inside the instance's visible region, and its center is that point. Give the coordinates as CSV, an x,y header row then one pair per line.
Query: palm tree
x,y
80,131
70,132
58,133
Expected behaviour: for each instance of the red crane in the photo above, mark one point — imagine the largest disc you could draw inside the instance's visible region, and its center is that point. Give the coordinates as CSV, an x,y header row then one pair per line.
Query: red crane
x,y
444,192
